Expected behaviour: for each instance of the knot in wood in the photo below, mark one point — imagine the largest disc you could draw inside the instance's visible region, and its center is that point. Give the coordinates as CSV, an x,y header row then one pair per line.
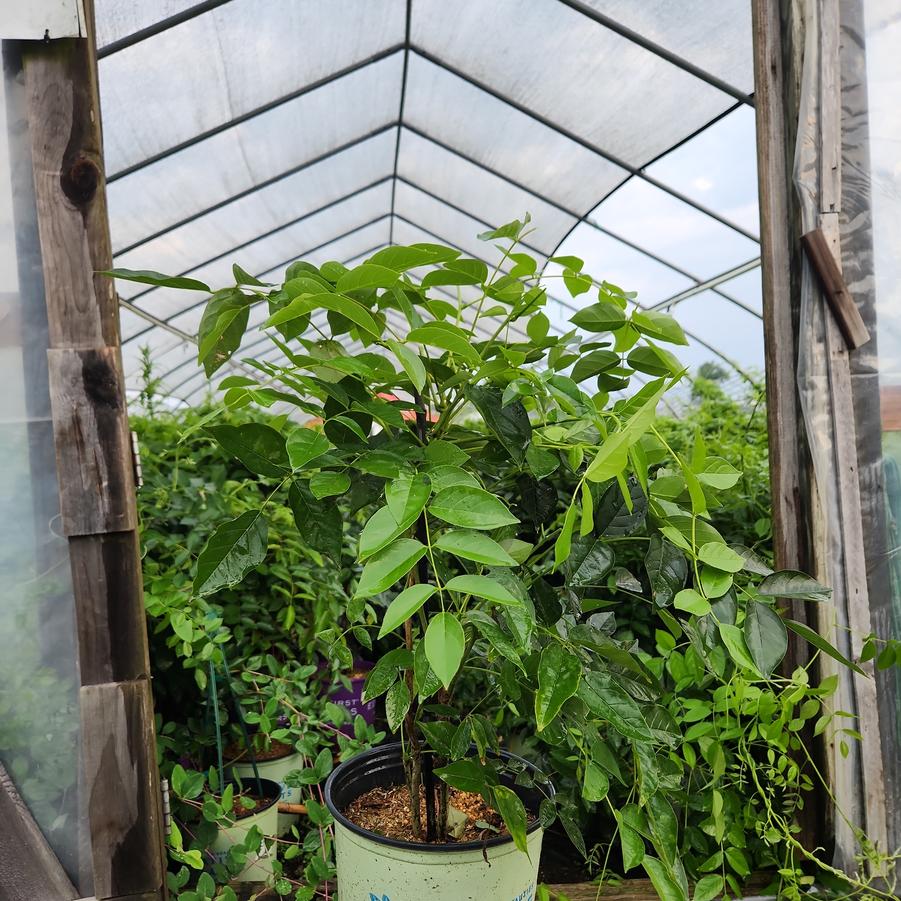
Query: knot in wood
x,y
80,180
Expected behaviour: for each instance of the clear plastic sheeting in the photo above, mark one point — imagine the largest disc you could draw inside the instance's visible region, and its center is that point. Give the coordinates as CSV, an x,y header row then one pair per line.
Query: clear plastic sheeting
x,y
261,133
39,686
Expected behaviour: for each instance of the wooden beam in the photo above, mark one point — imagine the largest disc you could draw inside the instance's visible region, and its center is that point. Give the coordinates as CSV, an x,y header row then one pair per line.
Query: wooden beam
x,y
845,311
776,114
95,469
636,889
93,441
122,795
779,329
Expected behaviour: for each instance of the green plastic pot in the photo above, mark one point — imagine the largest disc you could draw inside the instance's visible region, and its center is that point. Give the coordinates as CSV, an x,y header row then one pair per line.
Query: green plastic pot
x,y
276,770
372,867
259,865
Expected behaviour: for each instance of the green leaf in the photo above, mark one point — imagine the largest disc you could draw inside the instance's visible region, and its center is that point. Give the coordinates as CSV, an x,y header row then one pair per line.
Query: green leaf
x,y
476,547
305,445
734,641
563,544
632,845
440,277
691,602
789,584
410,361
404,606
444,645
542,462
319,523
329,484
608,701
350,309
612,457
402,258
467,775
537,327
714,582
719,474
157,279
482,587
380,530
259,447
752,563
588,564
765,636
221,328
821,644
559,673
654,361
235,547
721,557
605,316
509,805
406,496
658,325
443,477
708,888
446,337
510,423
663,882
367,275
389,565
397,703
667,569
388,669
471,508
242,277
593,363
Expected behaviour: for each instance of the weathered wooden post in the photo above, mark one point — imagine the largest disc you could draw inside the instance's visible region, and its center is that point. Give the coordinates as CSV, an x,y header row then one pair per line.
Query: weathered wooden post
x,y
95,471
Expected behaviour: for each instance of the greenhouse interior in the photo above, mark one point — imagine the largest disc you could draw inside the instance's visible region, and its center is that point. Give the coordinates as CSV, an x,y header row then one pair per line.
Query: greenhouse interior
x,y
453,450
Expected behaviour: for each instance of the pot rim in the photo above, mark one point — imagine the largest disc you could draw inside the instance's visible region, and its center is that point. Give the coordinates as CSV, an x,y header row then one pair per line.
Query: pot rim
x,y
546,787
274,790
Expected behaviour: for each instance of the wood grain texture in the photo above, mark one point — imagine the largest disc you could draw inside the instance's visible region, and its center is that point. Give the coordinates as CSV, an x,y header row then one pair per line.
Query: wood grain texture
x,y
64,124
123,803
637,890
105,570
93,441
29,870
94,463
779,321
845,311
777,62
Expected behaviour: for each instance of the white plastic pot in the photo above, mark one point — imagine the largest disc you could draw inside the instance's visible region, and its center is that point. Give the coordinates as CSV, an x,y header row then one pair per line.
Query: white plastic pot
x,y
276,770
259,865
374,868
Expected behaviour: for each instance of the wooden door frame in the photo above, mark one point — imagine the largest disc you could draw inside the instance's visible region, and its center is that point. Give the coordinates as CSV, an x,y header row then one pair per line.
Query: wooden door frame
x,y
98,503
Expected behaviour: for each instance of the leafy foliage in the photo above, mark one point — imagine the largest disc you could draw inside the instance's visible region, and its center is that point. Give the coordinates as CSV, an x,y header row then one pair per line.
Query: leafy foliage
x,y
498,579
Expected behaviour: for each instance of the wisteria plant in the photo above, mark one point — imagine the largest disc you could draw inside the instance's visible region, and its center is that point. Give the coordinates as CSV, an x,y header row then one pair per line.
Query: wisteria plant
x,y
431,389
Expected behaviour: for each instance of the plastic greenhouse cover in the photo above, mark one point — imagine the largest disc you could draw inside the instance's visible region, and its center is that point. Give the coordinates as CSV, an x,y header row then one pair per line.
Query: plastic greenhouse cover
x,y
40,721
264,132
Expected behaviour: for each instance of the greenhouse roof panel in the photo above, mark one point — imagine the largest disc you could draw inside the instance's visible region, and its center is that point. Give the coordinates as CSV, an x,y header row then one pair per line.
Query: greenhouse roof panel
x,y
258,133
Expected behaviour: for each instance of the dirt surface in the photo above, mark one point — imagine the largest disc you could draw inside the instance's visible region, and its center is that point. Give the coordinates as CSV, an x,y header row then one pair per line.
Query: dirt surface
x,y
239,811
277,749
386,811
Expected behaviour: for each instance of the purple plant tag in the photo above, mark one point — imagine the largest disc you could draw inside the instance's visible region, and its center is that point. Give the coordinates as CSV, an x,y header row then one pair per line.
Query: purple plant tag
x,y
351,699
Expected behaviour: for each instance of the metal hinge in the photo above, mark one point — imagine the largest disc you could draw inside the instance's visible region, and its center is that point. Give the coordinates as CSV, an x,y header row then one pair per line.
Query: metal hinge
x,y
136,460
167,810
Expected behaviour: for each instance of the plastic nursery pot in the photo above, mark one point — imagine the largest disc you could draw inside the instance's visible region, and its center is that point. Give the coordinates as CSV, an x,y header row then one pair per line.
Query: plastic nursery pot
x,y
274,765
265,817
351,699
373,866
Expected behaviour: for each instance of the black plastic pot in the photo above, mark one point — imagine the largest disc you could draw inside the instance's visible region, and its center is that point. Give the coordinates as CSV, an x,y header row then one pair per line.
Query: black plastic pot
x,y
373,865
